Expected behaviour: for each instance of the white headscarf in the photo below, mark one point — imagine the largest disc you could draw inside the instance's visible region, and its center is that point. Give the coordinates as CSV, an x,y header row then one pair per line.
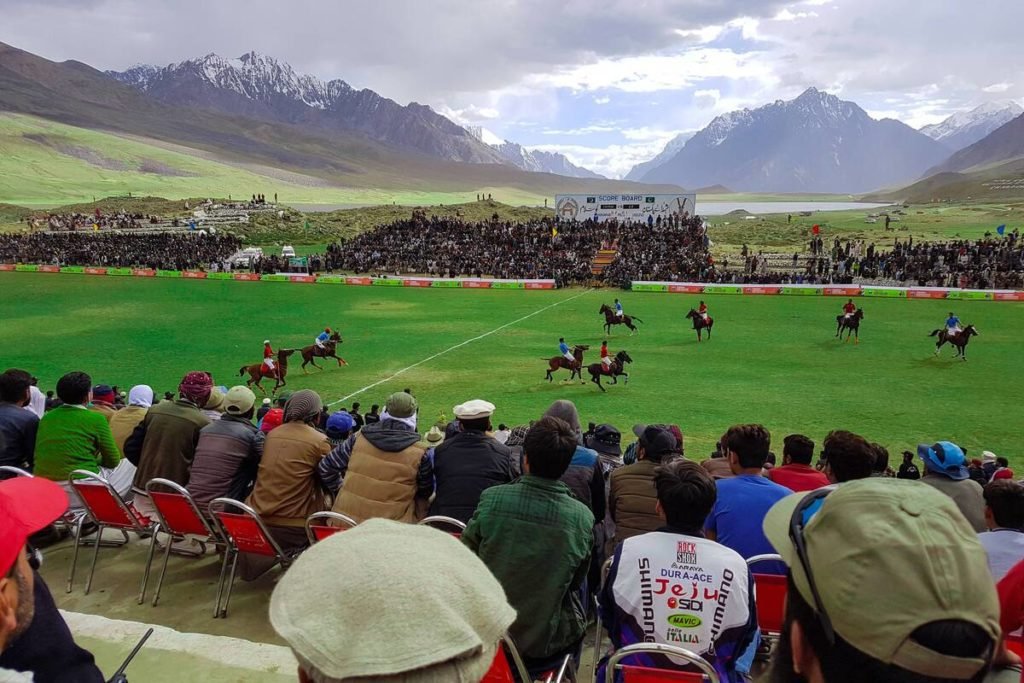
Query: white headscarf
x,y
141,395
409,422
37,401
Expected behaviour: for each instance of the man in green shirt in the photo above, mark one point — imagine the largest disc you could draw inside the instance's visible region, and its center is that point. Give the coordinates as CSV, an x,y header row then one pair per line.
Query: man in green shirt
x,y
71,437
536,538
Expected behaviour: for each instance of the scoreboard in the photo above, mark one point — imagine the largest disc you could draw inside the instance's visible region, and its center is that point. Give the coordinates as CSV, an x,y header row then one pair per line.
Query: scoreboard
x,y
624,207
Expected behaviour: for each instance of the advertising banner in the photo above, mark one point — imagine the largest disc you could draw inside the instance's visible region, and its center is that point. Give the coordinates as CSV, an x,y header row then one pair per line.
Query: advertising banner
x,y
926,294
649,287
446,283
1008,296
683,289
307,279
144,272
331,280
885,292
168,273
220,276
274,278
26,268
723,289
970,296
358,281
758,289
72,269
386,282
7,266
841,291
476,284
95,271
539,284
802,291
120,272
194,274
410,282
246,277
509,285
49,269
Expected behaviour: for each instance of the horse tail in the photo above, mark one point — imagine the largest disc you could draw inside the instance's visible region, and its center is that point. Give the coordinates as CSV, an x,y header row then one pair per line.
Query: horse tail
x,y
241,371
934,332
636,319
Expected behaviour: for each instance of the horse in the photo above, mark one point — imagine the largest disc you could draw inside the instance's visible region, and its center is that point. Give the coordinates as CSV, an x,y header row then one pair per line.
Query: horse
x,y
611,319
959,341
575,367
699,324
617,368
851,324
329,350
258,371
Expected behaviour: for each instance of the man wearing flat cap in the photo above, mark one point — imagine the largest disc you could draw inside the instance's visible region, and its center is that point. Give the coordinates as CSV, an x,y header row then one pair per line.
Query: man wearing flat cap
x,y
469,463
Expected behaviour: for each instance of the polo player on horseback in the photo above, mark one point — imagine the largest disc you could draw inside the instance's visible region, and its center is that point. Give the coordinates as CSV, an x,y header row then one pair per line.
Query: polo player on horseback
x,y
606,359
703,310
618,308
953,325
563,349
322,337
268,359
849,308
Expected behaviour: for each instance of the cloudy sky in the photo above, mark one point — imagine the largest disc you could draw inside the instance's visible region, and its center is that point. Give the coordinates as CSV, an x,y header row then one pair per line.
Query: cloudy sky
x,y
606,82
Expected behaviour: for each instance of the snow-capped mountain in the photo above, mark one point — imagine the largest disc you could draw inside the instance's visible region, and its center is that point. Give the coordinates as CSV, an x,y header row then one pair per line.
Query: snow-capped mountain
x,y
535,160
261,87
965,128
670,150
814,143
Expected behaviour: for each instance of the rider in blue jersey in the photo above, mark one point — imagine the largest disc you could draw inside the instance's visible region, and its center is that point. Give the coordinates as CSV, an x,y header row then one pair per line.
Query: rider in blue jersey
x,y
618,308
953,325
322,337
563,349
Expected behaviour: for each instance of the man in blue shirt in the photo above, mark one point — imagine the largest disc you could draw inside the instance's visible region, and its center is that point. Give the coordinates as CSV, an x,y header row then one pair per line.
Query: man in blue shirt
x,y
618,308
744,500
952,324
322,337
563,349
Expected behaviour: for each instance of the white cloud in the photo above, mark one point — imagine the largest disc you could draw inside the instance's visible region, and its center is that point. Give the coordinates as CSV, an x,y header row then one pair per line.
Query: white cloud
x,y
997,87
602,100
613,161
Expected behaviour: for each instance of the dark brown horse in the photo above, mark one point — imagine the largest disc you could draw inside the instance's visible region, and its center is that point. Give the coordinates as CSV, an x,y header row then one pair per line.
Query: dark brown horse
x,y
959,341
258,371
329,350
851,324
616,370
611,319
575,367
699,324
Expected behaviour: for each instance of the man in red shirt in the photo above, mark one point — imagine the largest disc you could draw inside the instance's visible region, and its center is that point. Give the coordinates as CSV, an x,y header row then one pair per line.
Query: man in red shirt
x,y
796,472
849,308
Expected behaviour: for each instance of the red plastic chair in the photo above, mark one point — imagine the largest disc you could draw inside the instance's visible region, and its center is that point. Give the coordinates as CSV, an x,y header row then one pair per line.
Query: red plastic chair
x,y
504,671
448,524
628,673
1015,644
108,510
770,596
177,515
12,471
318,525
244,532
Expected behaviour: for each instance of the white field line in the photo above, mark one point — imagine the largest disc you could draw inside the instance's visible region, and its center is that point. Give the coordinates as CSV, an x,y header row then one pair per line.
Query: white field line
x,y
457,346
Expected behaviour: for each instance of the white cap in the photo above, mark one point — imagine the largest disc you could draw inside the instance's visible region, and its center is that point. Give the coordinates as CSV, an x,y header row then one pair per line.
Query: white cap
x,y
988,456
266,341
473,410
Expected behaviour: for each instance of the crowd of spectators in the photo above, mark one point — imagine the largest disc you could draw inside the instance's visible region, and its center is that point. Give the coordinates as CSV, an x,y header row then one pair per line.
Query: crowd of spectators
x,y
543,505
71,222
163,250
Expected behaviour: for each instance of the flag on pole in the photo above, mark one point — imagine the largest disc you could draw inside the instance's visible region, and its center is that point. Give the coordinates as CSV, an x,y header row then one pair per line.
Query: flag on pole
x,y
1001,229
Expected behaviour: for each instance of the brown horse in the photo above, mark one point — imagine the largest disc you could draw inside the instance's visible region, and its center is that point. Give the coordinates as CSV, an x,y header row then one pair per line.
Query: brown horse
x,y
258,371
699,324
851,324
329,350
611,319
616,370
575,367
959,341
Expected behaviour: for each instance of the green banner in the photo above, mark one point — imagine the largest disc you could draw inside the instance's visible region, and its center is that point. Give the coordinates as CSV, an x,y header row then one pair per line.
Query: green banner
x,y
298,261
645,287
119,271
330,280
972,296
26,268
220,276
508,285
387,282
72,269
726,289
802,291
275,278
445,283
890,293
168,273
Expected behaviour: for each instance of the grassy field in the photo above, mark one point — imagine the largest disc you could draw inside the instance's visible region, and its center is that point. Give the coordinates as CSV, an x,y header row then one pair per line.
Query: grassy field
x,y
772,360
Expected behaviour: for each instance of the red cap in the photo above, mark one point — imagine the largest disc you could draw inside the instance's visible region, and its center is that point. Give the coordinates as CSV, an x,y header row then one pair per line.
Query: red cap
x,y
27,505
1005,473
273,419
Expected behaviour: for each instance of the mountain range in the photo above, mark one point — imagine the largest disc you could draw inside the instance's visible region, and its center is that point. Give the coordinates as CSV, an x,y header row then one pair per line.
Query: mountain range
x,y
671,149
963,129
534,160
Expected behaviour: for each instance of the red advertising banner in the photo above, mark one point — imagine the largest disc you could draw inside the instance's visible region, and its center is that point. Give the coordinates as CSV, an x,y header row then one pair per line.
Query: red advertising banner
x,y
7,266
194,274
539,285
143,272
1008,296
841,291
416,283
478,284
49,269
925,294
302,278
358,281
247,277
761,290
685,289
95,271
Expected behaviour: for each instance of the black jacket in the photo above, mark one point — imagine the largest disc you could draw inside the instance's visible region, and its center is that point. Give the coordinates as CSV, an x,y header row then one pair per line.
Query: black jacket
x,y
465,466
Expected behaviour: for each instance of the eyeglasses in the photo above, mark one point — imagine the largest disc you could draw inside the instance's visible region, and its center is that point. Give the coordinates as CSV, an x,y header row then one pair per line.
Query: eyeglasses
x,y
802,515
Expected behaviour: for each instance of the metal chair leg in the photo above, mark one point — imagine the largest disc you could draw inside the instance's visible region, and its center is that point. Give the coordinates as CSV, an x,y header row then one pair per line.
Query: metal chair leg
x,y
228,552
163,569
231,585
145,575
74,559
95,556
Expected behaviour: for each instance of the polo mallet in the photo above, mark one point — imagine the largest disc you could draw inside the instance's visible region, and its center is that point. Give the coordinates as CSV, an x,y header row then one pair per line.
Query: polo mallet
x,y
119,676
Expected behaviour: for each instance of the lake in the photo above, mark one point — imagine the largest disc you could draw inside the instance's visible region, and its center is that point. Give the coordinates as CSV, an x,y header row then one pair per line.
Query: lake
x,y
704,208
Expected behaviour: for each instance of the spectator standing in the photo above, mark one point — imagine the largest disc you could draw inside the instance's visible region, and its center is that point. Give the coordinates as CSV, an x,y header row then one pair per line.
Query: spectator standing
x,y
847,457
796,472
18,426
686,494
164,443
70,437
516,531
908,470
125,420
383,470
632,499
469,463
103,397
933,613
945,469
744,499
1004,515
228,452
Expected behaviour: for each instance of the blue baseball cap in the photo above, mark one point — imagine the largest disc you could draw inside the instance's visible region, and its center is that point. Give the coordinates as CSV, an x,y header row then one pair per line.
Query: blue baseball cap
x,y
339,423
945,458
